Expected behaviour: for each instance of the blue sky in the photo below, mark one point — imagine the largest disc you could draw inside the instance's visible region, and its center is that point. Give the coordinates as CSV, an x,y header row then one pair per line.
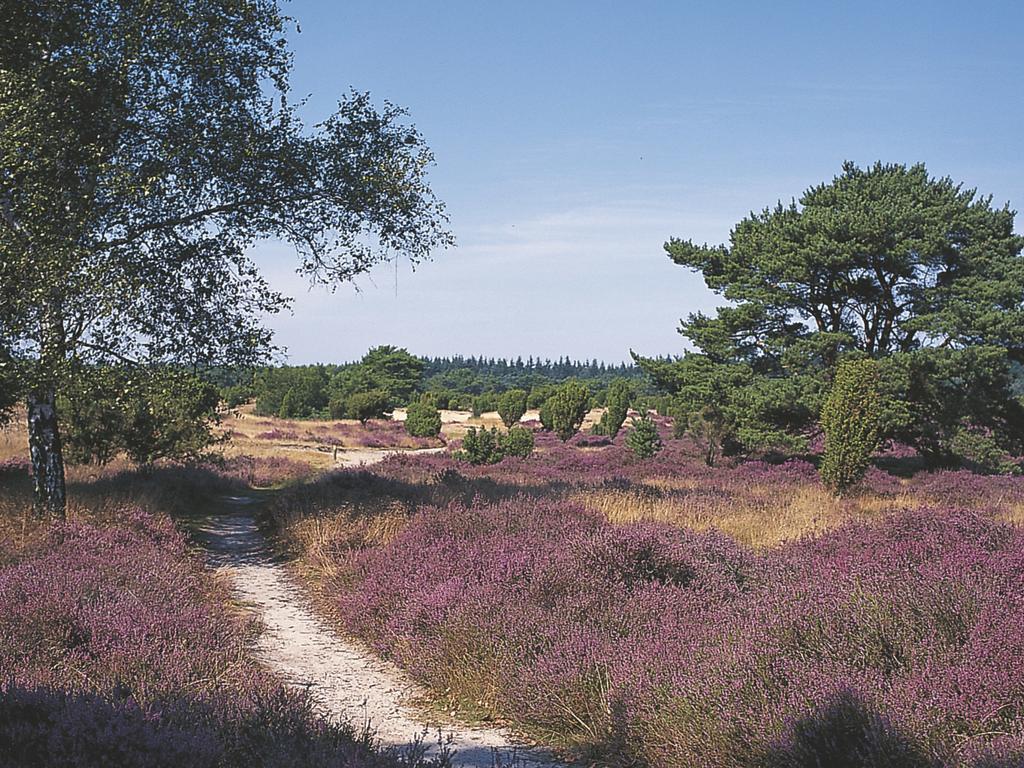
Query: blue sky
x,y
573,138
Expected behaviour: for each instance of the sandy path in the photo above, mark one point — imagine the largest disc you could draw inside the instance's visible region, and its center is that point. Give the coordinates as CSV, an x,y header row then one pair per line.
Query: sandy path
x,y
345,679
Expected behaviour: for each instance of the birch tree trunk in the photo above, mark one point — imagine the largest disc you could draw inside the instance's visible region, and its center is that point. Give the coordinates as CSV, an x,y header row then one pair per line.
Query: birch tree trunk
x,y
47,456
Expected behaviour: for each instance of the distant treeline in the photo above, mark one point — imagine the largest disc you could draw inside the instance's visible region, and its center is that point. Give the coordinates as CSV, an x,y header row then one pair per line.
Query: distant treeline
x,y
388,377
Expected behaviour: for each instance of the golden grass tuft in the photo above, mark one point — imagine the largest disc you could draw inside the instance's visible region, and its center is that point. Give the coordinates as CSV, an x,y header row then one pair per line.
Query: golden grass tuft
x,y
764,516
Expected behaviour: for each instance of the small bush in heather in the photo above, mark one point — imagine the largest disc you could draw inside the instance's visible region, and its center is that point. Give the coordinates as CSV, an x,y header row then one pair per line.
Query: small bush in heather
x,y
518,441
367,405
545,416
980,453
512,406
710,427
643,439
482,446
566,409
850,420
617,402
288,408
423,420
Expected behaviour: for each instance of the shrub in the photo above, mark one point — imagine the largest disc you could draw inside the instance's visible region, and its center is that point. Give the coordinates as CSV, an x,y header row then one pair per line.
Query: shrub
x,y
236,395
710,428
367,405
338,408
482,446
489,446
979,452
423,420
288,407
512,406
518,441
488,401
545,416
617,404
148,414
566,409
643,439
539,395
438,399
850,420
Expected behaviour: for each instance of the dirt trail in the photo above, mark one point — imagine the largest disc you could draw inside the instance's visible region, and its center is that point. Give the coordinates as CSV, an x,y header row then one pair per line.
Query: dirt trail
x,y
346,680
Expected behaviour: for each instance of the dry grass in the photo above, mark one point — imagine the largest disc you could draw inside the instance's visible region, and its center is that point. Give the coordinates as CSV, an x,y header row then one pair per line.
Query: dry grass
x,y
765,517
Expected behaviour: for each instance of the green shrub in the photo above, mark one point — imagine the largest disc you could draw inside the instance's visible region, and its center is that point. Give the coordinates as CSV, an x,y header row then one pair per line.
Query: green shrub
x,y
616,401
423,420
850,419
147,414
485,403
437,399
482,446
236,395
539,395
338,408
367,405
288,407
710,428
545,416
566,409
489,446
980,453
512,406
643,439
518,441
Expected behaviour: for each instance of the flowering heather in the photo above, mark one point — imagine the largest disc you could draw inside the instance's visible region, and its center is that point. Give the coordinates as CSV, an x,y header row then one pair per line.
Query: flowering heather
x,y
667,647
117,649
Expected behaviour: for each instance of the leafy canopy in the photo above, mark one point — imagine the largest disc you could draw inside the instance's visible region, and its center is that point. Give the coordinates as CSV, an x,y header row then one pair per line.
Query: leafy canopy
x,y
887,262
145,147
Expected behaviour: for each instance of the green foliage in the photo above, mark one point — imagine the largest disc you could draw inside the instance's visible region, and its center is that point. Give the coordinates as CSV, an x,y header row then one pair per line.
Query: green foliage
x,y
981,453
423,420
482,446
544,415
10,386
728,409
540,395
617,401
147,414
395,371
850,419
885,262
289,405
512,406
566,409
364,406
290,392
643,439
711,430
145,148
489,446
485,403
931,396
518,441
439,399
236,395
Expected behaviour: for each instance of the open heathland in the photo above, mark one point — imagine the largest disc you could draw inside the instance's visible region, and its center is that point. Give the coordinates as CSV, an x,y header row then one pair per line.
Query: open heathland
x,y
659,612
119,647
